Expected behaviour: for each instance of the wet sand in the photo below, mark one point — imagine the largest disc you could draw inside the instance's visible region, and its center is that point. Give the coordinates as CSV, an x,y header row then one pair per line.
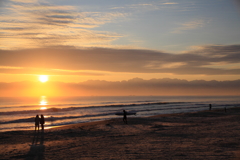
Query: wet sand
x,y
199,135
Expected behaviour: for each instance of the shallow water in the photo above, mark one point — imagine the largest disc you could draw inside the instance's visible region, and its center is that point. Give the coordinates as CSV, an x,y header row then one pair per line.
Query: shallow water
x,y
18,113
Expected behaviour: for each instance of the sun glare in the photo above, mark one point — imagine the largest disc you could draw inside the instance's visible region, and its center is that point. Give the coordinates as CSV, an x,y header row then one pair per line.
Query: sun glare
x,y
43,78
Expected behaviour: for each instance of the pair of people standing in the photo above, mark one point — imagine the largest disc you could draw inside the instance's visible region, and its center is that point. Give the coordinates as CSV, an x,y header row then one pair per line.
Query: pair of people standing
x,y
39,121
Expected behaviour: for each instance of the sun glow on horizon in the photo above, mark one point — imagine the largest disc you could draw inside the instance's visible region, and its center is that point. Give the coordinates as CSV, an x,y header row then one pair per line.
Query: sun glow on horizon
x,y
43,78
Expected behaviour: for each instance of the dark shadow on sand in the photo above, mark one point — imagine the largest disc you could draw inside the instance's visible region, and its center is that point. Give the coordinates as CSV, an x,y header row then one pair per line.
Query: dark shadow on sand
x,y
37,147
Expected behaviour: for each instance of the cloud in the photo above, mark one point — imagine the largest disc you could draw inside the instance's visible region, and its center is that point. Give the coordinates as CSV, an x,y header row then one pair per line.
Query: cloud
x,y
137,8
140,5
134,86
190,26
32,25
25,1
167,3
156,65
9,67
237,4
43,71
228,52
205,60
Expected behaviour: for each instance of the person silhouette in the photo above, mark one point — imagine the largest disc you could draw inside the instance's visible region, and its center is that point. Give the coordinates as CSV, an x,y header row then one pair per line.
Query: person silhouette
x,y
124,116
37,122
42,122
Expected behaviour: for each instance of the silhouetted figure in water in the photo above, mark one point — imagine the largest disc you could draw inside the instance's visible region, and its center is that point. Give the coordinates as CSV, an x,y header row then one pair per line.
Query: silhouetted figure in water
x,y
42,121
37,120
210,107
124,116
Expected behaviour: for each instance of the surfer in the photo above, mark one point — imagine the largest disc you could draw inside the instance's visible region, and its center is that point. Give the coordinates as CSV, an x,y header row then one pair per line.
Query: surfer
x,y
124,116
37,122
210,107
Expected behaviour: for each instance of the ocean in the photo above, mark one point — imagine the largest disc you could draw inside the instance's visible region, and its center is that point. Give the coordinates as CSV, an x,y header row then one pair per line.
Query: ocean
x,y
18,113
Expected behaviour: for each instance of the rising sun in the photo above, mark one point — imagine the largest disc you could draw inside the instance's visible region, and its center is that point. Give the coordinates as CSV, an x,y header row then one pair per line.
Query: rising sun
x,y
43,78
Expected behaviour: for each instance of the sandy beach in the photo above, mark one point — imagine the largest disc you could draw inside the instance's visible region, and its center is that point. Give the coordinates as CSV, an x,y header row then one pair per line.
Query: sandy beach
x,y
198,135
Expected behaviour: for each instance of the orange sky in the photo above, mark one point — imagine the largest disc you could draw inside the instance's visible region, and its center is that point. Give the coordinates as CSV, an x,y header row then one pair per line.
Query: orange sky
x,y
78,42
69,71
136,86
78,65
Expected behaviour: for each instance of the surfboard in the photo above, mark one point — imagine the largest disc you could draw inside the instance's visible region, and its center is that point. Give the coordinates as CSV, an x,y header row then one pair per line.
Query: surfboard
x,y
128,113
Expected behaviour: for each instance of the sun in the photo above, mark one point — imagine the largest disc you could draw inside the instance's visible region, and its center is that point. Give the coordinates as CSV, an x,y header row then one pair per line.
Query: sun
x,y
43,78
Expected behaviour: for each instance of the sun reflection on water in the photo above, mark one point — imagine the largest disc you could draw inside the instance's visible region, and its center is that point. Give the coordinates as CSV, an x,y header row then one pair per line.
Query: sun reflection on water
x,y
43,102
42,108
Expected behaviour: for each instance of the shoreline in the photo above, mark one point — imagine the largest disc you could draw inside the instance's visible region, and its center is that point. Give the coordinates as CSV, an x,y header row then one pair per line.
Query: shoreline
x,y
15,121
132,117
194,135
120,117
86,123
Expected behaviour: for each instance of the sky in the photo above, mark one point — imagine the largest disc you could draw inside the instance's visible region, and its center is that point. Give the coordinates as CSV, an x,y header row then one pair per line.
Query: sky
x,y
189,43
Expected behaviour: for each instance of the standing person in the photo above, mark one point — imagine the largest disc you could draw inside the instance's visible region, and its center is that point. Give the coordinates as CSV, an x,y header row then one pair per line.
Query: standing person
x,y
42,121
124,116
210,107
37,122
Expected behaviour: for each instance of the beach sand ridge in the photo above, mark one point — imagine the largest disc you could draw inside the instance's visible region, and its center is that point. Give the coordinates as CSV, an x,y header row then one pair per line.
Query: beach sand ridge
x,y
198,135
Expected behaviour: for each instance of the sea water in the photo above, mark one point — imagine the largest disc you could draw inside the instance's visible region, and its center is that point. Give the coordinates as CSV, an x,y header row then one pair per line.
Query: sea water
x,y
18,113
